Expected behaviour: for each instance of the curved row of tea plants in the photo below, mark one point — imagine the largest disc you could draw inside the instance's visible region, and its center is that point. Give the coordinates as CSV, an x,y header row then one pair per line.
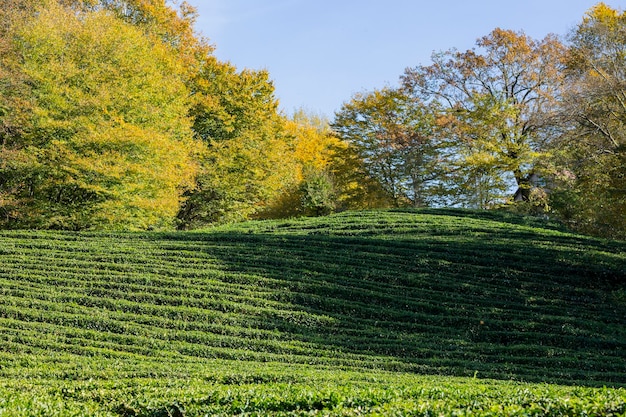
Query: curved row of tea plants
x,y
339,313
260,390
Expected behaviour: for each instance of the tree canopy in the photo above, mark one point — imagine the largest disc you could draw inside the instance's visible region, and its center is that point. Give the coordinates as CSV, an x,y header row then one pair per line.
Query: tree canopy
x,y
495,103
95,127
592,192
115,114
393,136
530,125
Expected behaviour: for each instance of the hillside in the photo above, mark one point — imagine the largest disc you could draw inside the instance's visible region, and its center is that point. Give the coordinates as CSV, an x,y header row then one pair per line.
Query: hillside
x,y
122,323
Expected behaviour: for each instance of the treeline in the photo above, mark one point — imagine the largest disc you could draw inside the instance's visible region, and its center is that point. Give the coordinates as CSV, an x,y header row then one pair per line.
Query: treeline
x,y
533,125
115,114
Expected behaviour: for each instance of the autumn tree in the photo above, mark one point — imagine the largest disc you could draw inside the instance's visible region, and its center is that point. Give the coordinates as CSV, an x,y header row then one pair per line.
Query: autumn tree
x,y
307,155
149,101
355,188
106,141
392,134
496,103
15,107
235,114
172,23
593,182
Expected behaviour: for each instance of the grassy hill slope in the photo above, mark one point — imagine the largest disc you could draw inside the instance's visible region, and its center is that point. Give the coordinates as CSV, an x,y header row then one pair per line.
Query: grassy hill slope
x,y
120,324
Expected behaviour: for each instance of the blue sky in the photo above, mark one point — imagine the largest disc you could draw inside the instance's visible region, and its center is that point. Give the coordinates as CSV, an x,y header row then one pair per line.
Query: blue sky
x,y
320,52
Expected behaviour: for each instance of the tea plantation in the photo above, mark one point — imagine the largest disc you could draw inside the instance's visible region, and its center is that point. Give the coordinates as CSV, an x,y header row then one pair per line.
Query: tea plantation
x,y
386,313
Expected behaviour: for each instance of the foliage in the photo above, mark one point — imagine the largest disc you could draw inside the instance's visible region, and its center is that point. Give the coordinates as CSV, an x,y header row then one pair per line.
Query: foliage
x,y
235,115
166,22
358,313
318,194
534,122
107,143
309,162
311,142
114,114
592,194
355,188
104,139
392,135
297,392
496,105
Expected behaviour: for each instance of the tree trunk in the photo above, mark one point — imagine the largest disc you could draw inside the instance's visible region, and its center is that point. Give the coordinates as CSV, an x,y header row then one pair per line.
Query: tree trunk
x,y
525,184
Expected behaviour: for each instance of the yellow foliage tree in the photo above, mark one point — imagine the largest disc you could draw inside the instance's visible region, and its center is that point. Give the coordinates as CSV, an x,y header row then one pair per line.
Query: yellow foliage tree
x,y
320,172
108,143
234,114
307,152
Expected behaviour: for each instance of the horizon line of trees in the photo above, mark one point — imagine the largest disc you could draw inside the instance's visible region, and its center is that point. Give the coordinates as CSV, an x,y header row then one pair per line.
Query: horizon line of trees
x,y
537,126
115,114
